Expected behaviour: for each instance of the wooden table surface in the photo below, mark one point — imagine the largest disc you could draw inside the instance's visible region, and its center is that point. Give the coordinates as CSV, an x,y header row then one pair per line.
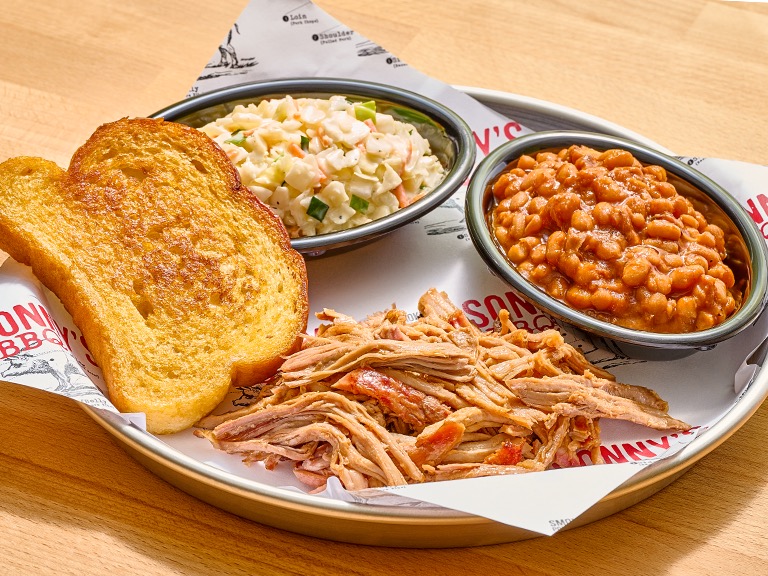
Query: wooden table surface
x,y
692,75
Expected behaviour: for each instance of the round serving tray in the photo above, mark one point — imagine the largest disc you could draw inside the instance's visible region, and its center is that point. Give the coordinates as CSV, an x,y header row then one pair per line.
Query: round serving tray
x,y
415,527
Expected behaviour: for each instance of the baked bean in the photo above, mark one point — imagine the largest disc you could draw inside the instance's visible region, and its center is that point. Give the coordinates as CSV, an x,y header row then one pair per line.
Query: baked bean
x,y
664,266
540,272
602,213
658,173
625,173
642,294
574,240
657,304
518,225
636,204
602,299
633,238
720,243
625,223
527,181
636,185
663,245
658,282
722,272
555,245
525,267
569,263
638,220
609,236
680,206
660,206
532,224
672,260
500,186
693,259
557,287
578,159
687,309
548,188
586,273
704,320
616,158
702,290
716,231
517,201
614,284
503,206
689,221
517,253
690,235
526,162
684,277
578,297
608,190
505,219
535,206
563,206
709,254
721,292
608,250
707,239
665,189
566,174
663,229
531,242
502,234
538,254
582,220
635,272
534,179
649,253
588,175
546,157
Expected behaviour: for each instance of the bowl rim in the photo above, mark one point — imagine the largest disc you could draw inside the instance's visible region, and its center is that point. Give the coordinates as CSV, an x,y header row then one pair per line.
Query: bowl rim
x,y
455,127
482,238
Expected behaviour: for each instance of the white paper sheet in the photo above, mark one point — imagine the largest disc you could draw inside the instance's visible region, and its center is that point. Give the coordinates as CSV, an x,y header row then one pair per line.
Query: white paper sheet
x,y
281,39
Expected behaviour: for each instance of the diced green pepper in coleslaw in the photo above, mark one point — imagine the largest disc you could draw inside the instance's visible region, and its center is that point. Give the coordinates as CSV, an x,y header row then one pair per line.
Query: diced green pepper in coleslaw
x,y
359,204
317,209
365,111
325,165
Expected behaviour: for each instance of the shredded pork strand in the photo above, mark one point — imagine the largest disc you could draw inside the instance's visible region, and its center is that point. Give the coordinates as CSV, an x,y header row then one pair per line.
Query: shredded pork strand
x,y
386,402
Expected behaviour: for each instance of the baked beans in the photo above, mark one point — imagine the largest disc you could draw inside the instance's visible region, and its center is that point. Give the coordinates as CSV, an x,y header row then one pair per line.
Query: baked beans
x,y
611,237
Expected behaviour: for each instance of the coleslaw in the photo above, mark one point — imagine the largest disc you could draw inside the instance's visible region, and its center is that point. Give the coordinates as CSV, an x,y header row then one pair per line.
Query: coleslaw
x,y
325,165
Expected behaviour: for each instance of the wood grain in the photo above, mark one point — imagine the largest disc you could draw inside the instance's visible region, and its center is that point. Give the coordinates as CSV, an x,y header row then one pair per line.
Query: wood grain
x,y
692,75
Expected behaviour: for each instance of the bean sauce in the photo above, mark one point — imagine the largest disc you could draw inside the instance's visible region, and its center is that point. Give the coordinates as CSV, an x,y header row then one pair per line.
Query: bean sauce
x,y
613,238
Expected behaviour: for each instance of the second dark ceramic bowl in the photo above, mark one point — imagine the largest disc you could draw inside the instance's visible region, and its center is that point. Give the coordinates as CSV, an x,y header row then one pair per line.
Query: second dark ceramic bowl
x,y
689,182
449,136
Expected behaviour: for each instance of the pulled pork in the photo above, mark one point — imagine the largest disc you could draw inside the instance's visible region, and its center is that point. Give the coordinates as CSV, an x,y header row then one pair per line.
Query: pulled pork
x,y
385,402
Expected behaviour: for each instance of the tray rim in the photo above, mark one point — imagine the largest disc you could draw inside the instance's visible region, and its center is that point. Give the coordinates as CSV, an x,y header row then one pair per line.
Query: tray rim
x,y
172,465
489,96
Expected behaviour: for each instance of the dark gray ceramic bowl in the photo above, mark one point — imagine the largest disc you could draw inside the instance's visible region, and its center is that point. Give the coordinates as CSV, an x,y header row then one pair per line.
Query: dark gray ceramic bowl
x,y
688,181
449,136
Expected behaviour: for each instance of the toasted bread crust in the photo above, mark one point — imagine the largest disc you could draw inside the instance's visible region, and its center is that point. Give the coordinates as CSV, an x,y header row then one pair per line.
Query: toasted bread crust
x,y
182,282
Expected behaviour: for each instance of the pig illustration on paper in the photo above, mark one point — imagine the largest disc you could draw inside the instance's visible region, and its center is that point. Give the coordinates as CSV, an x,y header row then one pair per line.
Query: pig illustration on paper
x,y
52,367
